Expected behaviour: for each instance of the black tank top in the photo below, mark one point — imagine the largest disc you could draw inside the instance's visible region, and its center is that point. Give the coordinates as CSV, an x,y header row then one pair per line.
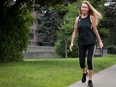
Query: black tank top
x,y
85,31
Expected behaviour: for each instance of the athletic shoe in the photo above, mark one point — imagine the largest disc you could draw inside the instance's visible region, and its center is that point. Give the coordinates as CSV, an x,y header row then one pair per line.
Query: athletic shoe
x,y
90,84
84,77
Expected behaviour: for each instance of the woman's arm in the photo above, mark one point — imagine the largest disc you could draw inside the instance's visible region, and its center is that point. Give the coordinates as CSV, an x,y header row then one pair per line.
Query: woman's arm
x,y
93,20
74,33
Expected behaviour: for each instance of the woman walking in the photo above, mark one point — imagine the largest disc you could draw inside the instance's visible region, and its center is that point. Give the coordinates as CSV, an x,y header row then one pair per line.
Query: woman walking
x,y
86,26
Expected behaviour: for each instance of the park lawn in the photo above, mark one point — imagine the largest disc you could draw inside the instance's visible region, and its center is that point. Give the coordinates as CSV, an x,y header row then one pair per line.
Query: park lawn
x,y
47,72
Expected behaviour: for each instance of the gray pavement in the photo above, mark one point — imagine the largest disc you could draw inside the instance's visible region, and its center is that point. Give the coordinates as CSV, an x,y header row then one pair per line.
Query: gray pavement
x,y
104,78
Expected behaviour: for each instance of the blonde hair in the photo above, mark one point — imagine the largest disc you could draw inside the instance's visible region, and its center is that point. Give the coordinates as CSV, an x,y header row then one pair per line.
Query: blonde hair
x,y
92,11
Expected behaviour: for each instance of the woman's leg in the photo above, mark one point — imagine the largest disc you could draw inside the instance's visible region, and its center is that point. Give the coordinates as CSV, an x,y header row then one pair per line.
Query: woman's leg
x,y
90,60
90,63
82,55
90,74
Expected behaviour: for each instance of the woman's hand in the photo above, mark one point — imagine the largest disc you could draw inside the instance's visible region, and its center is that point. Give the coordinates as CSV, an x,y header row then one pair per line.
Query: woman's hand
x,y
71,45
101,45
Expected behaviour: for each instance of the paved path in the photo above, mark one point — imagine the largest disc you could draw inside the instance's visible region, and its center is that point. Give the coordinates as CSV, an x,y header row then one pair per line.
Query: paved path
x,y
104,78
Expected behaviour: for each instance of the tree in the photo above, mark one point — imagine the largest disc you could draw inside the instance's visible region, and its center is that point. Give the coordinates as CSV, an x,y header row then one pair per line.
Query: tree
x,y
65,31
110,22
15,20
49,26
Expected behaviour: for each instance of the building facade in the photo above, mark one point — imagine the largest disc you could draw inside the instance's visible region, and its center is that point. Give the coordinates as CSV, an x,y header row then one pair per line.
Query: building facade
x,y
33,41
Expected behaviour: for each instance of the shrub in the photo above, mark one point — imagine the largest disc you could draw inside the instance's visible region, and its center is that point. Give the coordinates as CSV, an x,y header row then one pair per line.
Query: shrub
x,y
112,50
14,35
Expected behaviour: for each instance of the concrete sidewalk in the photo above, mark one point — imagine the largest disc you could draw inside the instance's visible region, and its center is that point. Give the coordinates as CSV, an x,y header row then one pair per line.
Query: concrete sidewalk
x,y
104,78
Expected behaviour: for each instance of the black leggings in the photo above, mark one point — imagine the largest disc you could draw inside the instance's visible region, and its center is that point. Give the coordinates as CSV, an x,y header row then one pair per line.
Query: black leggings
x,y
82,55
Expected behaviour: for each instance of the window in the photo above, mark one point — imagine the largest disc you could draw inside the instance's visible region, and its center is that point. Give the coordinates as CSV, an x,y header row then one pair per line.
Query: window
x,y
31,31
31,35
36,32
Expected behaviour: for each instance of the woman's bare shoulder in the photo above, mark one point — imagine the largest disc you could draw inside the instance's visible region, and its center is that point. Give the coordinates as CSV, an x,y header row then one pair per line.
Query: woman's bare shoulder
x,y
77,18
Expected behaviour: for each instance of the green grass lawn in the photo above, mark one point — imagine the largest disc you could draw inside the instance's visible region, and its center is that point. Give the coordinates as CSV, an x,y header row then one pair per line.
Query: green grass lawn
x,y
47,72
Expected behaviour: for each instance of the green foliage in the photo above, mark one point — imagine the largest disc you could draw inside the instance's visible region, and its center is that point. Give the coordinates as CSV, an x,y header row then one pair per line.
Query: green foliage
x,y
66,28
60,48
65,31
49,26
104,32
14,35
112,50
53,3
110,23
